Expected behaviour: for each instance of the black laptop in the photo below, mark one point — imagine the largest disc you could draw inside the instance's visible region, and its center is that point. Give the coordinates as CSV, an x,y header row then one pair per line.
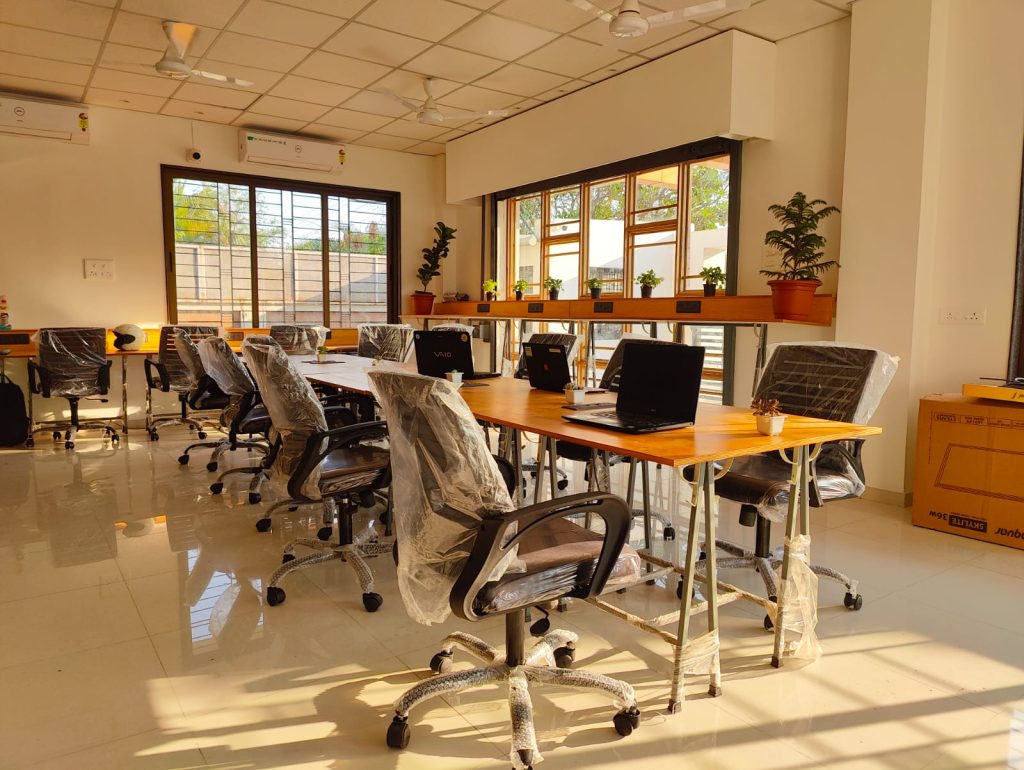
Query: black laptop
x,y
547,366
658,390
440,352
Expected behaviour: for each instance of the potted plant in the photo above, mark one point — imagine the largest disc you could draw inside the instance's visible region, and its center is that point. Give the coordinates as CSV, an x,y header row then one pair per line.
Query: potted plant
x,y
574,393
490,290
713,278
321,354
520,287
423,301
594,284
553,285
454,377
648,280
767,416
803,255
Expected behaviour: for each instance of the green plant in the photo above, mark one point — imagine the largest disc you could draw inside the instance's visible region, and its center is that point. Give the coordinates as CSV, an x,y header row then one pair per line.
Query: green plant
x,y
802,248
648,278
432,256
766,407
490,285
521,286
553,284
594,283
322,349
713,275
572,385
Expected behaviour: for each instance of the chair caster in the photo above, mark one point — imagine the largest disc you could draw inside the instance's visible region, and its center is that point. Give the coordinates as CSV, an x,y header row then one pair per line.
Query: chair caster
x,y
217,487
768,625
201,435
30,442
183,460
254,498
565,657
57,435
563,483
275,596
293,508
154,436
263,525
627,721
115,439
367,500
324,533
441,663
69,444
853,602
398,733
669,533
372,601
211,467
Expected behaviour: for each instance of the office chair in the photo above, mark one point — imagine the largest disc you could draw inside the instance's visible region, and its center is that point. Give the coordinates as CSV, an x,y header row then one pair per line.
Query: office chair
x,y
464,548
829,381
170,374
391,342
327,466
299,338
205,393
72,365
453,327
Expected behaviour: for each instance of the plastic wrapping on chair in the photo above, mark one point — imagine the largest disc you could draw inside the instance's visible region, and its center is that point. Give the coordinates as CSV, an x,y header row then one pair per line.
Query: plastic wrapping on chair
x,y
453,327
72,359
445,483
189,354
800,596
180,376
221,363
569,341
300,339
295,412
391,342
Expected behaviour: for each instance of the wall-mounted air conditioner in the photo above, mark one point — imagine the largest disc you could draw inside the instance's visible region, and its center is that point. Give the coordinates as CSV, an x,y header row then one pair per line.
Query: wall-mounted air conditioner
x,y
290,151
47,120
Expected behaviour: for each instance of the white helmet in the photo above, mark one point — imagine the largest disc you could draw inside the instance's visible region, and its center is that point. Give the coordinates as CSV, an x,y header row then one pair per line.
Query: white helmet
x,y
129,337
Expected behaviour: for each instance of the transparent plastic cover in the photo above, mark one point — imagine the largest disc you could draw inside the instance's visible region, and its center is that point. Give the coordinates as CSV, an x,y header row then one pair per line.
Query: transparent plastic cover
x,y
189,354
800,596
391,342
72,358
299,338
178,372
224,366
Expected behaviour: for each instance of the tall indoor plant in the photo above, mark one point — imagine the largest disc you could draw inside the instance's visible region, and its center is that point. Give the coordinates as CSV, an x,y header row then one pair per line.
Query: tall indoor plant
x,y
803,255
423,301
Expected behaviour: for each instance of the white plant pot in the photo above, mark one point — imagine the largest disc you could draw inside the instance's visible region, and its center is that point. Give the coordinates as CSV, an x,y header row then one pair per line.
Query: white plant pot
x,y
455,378
575,396
770,426
321,358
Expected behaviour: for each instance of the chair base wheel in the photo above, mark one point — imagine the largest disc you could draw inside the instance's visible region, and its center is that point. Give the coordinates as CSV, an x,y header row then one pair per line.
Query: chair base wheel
x,y
211,467
398,733
285,558
627,721
30,442
852,602
372,602
441,663
669,533
768,625
563,484
57,435
217,487
69,444
183,460
201,435
263,525
679,590
275,596
254,498
324,533
154,436
565,657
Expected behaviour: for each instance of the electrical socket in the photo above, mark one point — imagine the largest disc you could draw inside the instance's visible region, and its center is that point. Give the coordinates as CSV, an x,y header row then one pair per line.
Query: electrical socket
x,y
963,316
99,269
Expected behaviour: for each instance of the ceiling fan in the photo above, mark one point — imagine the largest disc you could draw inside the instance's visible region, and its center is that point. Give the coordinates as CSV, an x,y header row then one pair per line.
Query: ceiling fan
x,y
427,111
627,21
179,38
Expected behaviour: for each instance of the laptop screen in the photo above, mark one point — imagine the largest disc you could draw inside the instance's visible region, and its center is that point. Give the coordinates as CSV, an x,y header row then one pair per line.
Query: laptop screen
x,y
661,381
439,352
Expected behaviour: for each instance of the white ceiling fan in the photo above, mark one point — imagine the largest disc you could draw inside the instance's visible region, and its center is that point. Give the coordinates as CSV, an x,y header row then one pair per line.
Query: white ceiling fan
x,y
627,21
179,38
427,111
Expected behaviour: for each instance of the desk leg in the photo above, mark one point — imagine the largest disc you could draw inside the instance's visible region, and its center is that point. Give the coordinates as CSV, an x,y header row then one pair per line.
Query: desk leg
x,y
552,467
124,394
517,461
542,445
675,699
645,484
711,570
798,483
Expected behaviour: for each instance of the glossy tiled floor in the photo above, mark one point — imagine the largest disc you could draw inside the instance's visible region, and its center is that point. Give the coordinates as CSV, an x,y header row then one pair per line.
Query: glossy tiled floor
x,y
133,635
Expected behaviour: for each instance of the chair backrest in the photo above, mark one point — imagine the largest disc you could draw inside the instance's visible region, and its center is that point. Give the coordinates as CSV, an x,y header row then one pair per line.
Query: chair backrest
x,y
570,341
224,366
177,370
390,342
294,410
453,327
613,369
189,354
445,481
299,338
73,358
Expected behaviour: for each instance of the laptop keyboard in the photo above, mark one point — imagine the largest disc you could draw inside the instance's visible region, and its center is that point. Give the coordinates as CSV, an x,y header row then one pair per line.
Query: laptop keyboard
x,y
636,420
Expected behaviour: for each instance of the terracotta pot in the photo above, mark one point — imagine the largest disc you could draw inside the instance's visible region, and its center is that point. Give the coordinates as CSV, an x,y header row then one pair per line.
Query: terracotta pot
x,y
709,289
552,294
645,291
422,303
792,300
595,293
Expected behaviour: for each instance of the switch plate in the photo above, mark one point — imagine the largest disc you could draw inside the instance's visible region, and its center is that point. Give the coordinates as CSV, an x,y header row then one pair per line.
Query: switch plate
x,y
963,316
99,269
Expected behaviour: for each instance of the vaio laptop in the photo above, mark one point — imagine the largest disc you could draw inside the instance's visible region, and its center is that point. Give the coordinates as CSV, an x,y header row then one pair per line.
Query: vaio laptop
x,y
440,352
658,390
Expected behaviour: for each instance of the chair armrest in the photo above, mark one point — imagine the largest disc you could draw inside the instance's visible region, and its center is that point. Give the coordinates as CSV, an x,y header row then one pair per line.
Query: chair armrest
x,y
206,386
162,380
321,444
488,549
103,378
41,387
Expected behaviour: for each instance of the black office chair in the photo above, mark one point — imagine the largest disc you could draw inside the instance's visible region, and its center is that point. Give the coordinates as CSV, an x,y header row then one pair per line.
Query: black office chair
x,y
334,467
299,338
464,548
72,365
827,381
170,374
205,393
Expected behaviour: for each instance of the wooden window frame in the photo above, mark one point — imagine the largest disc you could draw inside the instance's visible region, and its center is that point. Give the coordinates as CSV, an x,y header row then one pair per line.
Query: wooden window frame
x,y
392,200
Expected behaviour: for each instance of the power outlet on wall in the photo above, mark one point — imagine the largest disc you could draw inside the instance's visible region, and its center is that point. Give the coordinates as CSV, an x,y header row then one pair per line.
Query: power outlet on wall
x,y
99,269
962,316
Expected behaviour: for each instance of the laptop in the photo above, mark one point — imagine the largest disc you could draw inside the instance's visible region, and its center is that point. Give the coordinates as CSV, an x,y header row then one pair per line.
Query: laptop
x,y
547,366
440,352
658,390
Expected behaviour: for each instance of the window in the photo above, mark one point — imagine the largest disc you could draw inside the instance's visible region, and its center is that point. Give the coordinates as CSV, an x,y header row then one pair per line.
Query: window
x,y
250,251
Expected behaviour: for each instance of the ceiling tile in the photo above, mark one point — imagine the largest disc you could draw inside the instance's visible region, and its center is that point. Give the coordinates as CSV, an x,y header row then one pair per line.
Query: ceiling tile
x,y
385,142
376,45
268,123
141,61
410,85
287,23
377,104
355,120
49,45
207,112
453,64
57,16
483,5
597,32
566,88
776,19
115,80
427,19
413,129
343,8
44,69
261,79
477,99
455,133
332,133
571,57
556,15
208,13
502,38
843,5
682,41
614,68
124,100
44,88
516,79
105,3
146,32
309,90
341,69
194,91
256,52
287,108
427,148
525,105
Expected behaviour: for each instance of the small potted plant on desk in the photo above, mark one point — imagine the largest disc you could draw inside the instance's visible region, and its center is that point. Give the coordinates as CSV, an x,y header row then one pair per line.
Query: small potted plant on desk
x,y
454,377
594,284
768,417
490,289
520,287
321,354
553,285
713,278
574,393
423,301
647,280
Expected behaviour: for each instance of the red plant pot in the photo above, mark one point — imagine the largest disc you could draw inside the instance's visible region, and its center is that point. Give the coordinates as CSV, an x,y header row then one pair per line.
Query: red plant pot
x,y
792,300
422,303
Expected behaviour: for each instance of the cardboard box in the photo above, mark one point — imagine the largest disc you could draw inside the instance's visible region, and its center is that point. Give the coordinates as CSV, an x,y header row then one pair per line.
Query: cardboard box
x,y
969,476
